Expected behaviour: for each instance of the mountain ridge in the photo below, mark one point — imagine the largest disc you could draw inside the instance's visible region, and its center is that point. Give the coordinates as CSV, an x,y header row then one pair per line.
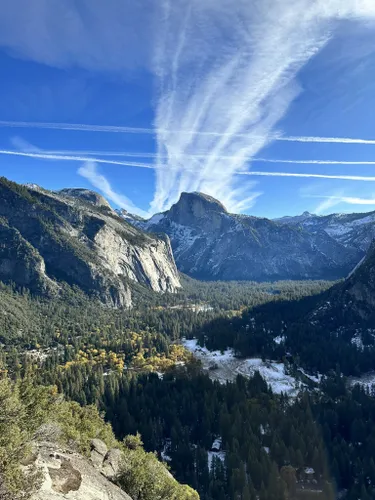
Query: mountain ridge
x,y
210,243
47,238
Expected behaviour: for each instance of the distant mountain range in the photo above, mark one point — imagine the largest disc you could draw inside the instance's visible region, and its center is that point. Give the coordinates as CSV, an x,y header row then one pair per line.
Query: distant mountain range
x,y
351,230
74,236
210,243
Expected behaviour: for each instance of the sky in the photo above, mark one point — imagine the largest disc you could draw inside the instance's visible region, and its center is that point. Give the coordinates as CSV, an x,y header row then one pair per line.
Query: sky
x,y
267,105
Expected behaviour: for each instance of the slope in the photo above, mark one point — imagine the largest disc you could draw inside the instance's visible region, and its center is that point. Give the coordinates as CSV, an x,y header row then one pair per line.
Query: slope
x,y
48,238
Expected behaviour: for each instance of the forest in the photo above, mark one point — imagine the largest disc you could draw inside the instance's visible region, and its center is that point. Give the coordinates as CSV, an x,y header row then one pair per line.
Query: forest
x,y
228,441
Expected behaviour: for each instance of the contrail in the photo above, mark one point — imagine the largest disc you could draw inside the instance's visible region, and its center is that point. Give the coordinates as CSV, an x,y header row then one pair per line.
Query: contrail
x,y
314,162
307,175
154,131
135,154
45,156
338,140
79,127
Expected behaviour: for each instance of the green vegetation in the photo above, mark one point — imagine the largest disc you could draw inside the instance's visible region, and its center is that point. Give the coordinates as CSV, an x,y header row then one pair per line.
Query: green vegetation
x,y
26,407
106,360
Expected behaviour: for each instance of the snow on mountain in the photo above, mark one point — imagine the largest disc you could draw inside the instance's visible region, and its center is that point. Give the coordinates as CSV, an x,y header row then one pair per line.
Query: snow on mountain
x,y
210,243
351,230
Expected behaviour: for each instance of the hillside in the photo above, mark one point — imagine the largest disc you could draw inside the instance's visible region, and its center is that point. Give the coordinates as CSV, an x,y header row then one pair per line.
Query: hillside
x,y
50,448
74,236
331,330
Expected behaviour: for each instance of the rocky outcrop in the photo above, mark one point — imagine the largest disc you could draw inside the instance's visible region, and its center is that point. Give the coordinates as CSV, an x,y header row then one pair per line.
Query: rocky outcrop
x,y
67,474
47,238
86,195
210,243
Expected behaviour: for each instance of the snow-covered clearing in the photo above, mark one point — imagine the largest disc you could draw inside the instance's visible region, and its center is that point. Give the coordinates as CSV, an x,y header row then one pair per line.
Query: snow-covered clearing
x,y
224,366
314,378
366,381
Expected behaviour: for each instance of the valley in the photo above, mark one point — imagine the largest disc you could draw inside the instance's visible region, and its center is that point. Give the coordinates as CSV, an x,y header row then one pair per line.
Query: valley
x,y
259,389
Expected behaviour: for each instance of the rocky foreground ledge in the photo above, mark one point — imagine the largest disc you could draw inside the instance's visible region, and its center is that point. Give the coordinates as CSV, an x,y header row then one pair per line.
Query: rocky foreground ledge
x,y
67,474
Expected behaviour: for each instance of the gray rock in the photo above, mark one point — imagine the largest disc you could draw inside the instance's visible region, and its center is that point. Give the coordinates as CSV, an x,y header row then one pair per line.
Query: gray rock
x,y
48,237
112,463
98,451
99,446
67,474
210,243
86,195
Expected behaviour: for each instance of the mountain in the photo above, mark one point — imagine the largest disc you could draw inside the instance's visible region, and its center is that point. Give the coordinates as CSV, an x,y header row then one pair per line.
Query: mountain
x,y
351,230
210,243
74,236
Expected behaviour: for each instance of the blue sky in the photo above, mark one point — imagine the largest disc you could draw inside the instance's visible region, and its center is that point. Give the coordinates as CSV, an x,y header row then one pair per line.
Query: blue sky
x,y
266,105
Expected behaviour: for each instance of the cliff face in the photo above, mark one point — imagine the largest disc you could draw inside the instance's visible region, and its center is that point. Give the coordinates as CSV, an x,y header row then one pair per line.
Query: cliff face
x,y
48,237
210,243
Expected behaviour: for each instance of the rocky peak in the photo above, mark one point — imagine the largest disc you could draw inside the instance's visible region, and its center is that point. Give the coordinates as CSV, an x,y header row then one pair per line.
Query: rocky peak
x,y
86,195
195,208
210,243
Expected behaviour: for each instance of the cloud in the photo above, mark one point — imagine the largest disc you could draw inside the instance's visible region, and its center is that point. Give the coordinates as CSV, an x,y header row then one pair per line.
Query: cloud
x,y
336,140
352,200
333,200
47,156
80,127
191,170
238,90
314,162
225,73
26,147
325,205
309,175
94,35
114,129
23,145
90,172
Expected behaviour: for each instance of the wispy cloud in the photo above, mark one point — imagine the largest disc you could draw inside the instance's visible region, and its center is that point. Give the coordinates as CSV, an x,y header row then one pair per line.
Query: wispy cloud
x,y
89,171
225,74
352,200
331,201
238,94
326,205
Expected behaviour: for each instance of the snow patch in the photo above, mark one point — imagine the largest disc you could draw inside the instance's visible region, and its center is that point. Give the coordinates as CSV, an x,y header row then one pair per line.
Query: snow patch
x,y
279,339
367,381
155,219
224,367
212,454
